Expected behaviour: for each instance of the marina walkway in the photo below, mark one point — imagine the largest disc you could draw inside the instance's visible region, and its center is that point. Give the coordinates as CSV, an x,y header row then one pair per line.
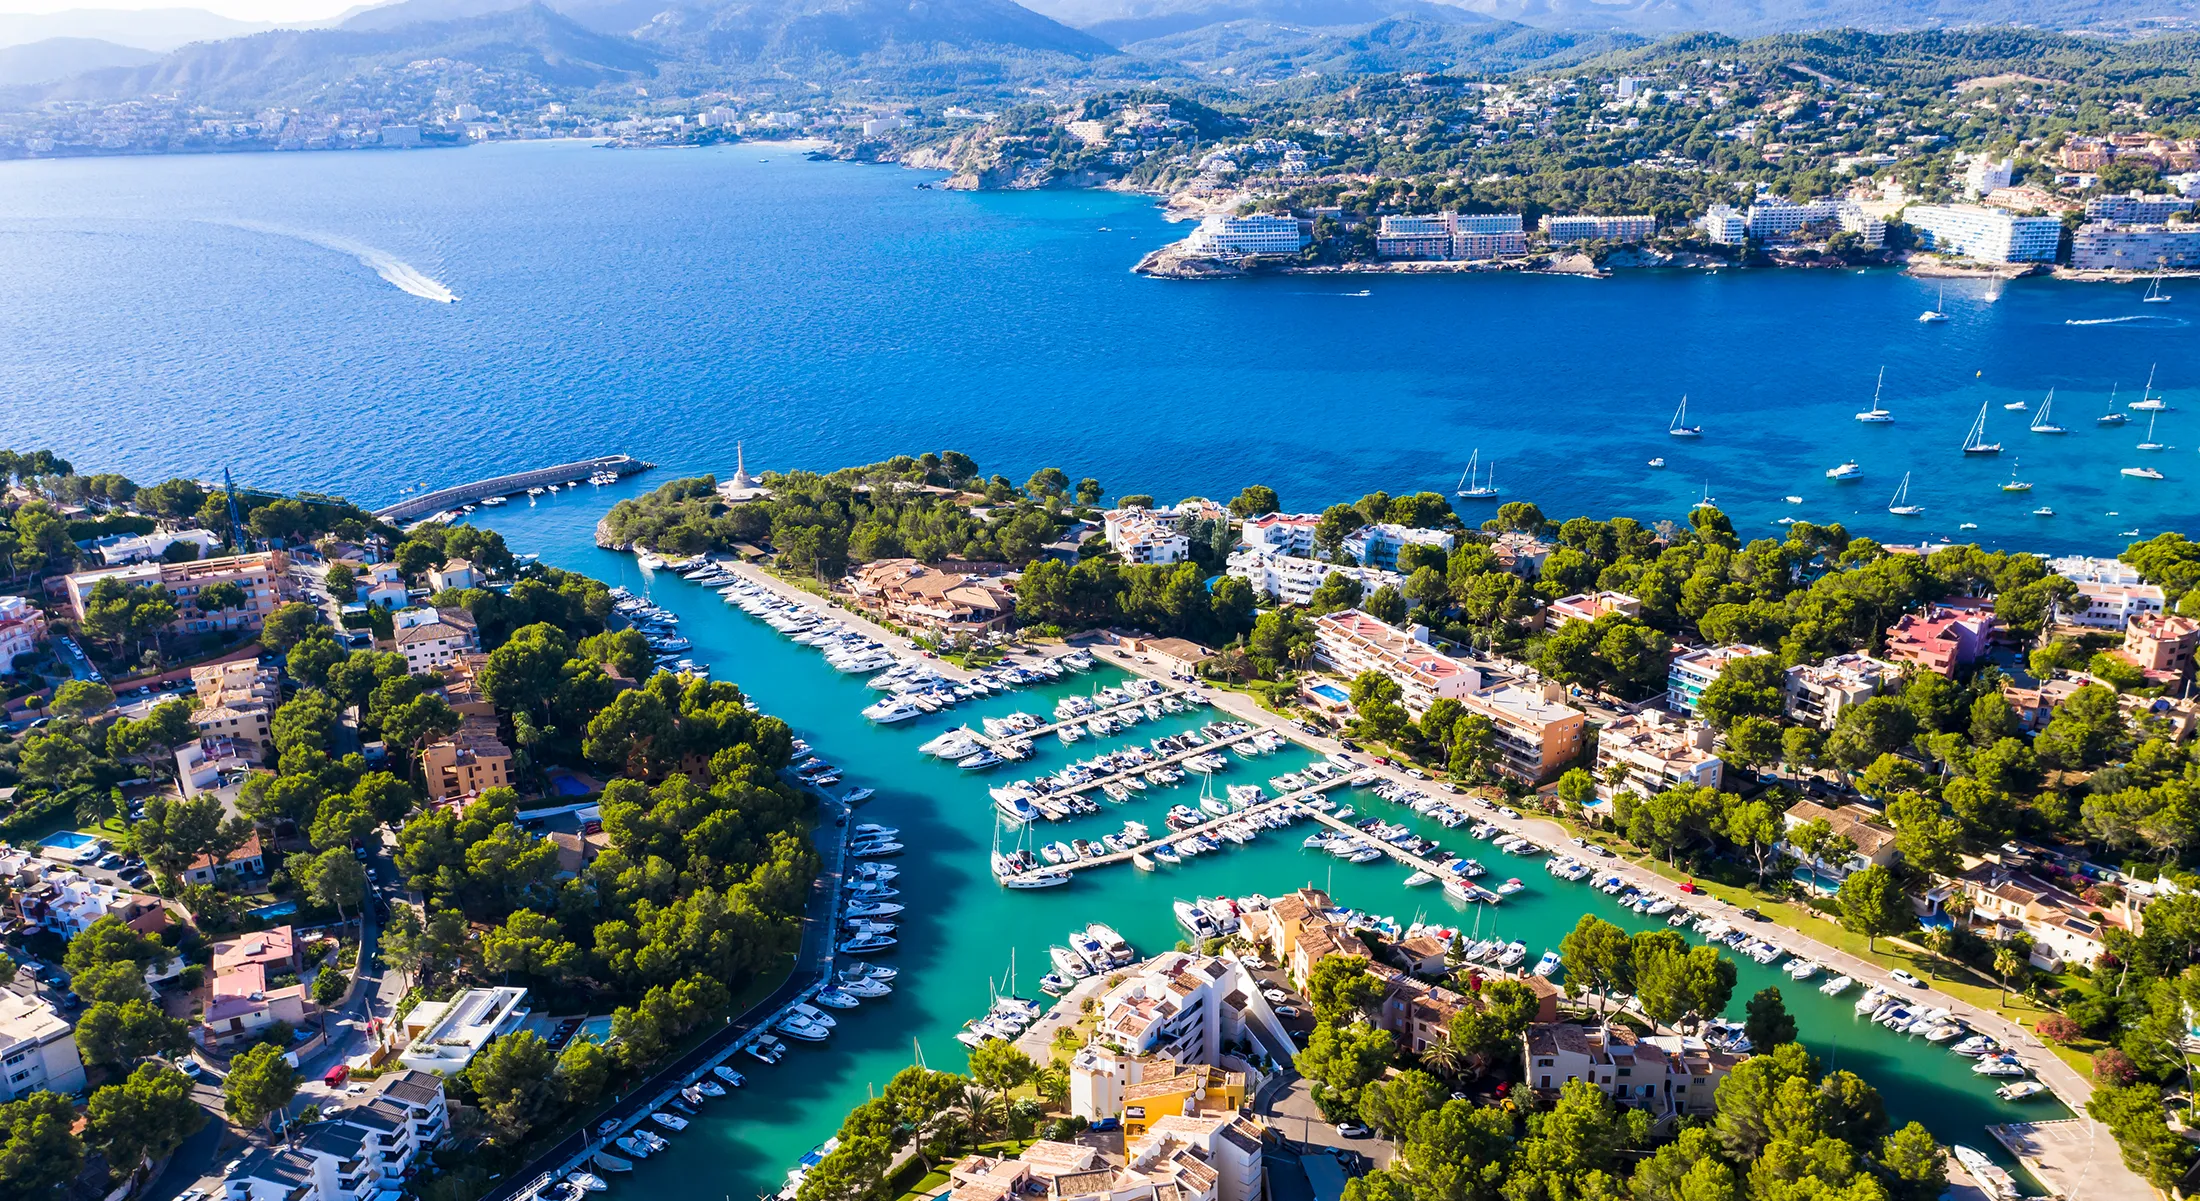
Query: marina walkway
x,y
2090,1175
1211,746
506,485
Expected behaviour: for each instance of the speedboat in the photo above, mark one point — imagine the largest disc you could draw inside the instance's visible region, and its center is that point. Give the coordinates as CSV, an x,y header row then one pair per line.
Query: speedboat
x,y
728,1075
633,1146
1976,1045
669,1121
1512,955
587,1182
1068,963
1846,471
2020,1091
1836,986
1990,1176
1549,965
2002,1067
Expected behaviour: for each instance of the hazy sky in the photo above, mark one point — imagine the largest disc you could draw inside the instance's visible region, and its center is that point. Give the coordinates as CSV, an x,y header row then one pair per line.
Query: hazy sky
x,y
242,10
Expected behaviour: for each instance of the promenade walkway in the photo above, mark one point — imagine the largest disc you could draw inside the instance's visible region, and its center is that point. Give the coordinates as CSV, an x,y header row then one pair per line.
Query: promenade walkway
x,y
2088,1168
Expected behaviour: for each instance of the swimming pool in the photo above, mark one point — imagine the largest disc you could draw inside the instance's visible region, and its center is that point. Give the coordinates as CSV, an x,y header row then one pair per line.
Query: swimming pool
x,y
278,909
1331,693
69,840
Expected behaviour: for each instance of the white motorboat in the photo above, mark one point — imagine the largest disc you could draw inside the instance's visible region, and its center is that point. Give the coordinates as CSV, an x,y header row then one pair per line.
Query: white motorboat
x,y
633,1146
1846,471
2001,1067
1512,955
2021,1090
2143,473
587,1182
669,1121
1990,1176
1836,986
731,1077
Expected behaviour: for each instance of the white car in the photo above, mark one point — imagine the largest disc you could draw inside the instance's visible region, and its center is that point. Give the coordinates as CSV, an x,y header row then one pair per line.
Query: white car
x,y
1904,978
1351,1130
1276,995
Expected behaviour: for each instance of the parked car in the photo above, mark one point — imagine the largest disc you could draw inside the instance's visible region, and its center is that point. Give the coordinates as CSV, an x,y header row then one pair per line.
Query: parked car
x,y
1287,1011
1106,1124
1755,916
1351,1130
1348,744
110,861
1905,979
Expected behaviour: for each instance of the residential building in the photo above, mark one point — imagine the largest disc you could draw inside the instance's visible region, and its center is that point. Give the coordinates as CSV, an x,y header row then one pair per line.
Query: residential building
x,y
1181,656
1588,606
275,950
2064,927
1658,1074
1521,554
1657,753
2135,247
408,1117
1861,825
469,762
2110,606
2161,645
1194,1153
920,596
1724,225
1450,235
380,585
1773,219
1818,692
432,639
1378,545
237,701
1989,235
1189,1008
1107,1083
65,903
1942,639
1260,233
462,689
1693,671
1563,230
1293,580
1146,535
1353,641
2035,706
1408,237
136,548
2085,569
202,765
446,1035
1983,175
37,1049
1537,733
2136,208
242,1005
247,860
1868,226
1300,930
1280,533
457,573
263,576
22,627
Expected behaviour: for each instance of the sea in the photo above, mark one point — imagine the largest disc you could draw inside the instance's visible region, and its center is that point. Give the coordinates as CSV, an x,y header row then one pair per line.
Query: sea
x,y
368,324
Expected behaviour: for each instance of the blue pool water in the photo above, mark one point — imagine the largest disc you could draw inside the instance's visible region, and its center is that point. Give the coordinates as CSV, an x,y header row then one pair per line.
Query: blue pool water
x,y
671,304
69,840
1331,693
278,909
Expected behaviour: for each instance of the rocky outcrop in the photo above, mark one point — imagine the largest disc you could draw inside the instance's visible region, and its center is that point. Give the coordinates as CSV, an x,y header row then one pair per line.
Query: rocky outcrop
x,y
605,539
1177,261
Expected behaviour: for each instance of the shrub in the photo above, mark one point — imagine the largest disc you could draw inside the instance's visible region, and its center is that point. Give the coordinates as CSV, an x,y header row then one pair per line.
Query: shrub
x,y
2113,1069
2056,1028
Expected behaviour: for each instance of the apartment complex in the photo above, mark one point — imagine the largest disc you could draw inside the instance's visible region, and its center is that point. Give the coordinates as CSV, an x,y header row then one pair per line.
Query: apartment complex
x,y
919,596
1293,579
1450,235
1280,533
2064,928
1650,752
2136,208
2085,569
1817,693
37,1049
1989,235
1942,639
2110,606
1588,606
431,639
1693,671
2135,247
472,760
1378,545
1537,732
1353,641
1871,837
1660,1075
1260,233
1724,225
2161,645
364,1151
1564,230
1146,535
22,627
1188,1008
263,576
236,701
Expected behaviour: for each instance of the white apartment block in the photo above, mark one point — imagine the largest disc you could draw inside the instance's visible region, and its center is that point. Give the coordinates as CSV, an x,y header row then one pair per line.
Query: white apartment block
x,y
2110,606
431,639
1868,227
1661,1074
1261,233
1351,642
2135,208
1984,175
446,1035
1588,606
22,626
1146,535
1280,533
1692,672
1293,580
140,547
2085,569
1183,1007
1635,228
1450,235
1773,219
1378,545
1657,753
1987,234
37,1049
1725,225
364,1152
1817,693
2097,247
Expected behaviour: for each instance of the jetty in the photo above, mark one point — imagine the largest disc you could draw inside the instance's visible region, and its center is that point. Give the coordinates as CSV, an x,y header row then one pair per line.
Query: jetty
x,y
1036,732
505,485
1205,748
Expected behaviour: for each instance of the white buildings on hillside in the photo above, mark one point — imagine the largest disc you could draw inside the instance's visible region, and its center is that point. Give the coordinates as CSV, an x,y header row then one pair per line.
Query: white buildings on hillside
x,y
37,1049
2085,569
446,1035
1651,753
1989,235
22,626
1984,175
1724,225
1280,533
364,1152
2110,606
1692,671
1189,1008
2137,208
1293,580
431,639
1563,230
2135,247
1146,536
1260,233
1351,642
1450,235
1378,545
1818,692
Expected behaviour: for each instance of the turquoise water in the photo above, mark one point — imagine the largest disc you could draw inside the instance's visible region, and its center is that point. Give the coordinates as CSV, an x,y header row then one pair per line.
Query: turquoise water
x,y
185,314
961,928
68,840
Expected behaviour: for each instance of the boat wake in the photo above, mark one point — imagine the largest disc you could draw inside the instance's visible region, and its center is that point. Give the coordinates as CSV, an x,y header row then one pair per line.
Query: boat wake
x,y
2146,318
395,271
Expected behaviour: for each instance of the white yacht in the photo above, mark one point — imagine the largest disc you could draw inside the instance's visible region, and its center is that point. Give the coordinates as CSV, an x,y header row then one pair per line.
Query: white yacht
x,y
1679,427
1472,487
1846,471
2155,294
1900,506
1974,441
891,710
2043,422
1877,414
1936,314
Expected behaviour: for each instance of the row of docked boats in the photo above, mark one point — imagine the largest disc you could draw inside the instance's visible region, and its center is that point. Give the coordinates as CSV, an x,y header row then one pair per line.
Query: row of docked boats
x,y
650,1137
870,888
659,627
1162,762
1094,950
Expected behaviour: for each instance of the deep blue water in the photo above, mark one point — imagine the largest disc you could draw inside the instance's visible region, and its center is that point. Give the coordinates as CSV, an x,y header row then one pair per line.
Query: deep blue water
x,y
179,315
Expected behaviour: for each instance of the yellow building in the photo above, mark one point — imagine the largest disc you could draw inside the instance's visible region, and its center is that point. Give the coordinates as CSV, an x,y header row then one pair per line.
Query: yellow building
x,y
1166,1087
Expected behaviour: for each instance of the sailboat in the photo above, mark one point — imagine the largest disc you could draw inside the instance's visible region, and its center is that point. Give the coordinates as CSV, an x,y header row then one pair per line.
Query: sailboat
x,y
1900,506
2112,417
2043,421
1974,442
1708,501
1680,427
1470,488
2155,295
2150,443
2148,402
1936,314
2015,484
1877,414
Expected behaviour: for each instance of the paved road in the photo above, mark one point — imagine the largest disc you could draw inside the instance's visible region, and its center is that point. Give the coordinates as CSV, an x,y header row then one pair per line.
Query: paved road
x,y
2099,1177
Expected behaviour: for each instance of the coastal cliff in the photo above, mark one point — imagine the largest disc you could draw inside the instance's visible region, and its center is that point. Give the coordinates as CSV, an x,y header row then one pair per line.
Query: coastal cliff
x,y
606,539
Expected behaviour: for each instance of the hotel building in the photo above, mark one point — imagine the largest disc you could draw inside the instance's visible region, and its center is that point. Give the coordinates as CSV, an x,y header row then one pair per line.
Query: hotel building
x,y
264,577
1450,235
1564,230
2135,247
1653,753
1261,233
1293,580
1692,672
1987,234
1352,641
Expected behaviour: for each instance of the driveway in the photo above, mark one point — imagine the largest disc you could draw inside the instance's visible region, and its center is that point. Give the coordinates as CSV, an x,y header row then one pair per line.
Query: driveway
x,y
1287,1105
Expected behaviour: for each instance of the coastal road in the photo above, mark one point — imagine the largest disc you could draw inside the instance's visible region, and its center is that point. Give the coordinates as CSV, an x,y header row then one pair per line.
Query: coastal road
x,y
2096,1173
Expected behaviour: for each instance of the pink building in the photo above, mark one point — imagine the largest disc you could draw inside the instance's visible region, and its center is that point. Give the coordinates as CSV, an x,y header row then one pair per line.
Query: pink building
x,y
21,626
1942,639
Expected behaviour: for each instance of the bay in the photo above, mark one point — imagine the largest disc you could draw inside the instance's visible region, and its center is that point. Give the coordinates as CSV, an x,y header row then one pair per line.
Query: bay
x,y
185,314
962,933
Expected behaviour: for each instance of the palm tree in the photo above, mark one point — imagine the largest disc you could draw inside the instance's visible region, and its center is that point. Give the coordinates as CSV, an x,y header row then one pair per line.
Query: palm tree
x,y
974,1107
1443,1057
1941,941
2007,966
